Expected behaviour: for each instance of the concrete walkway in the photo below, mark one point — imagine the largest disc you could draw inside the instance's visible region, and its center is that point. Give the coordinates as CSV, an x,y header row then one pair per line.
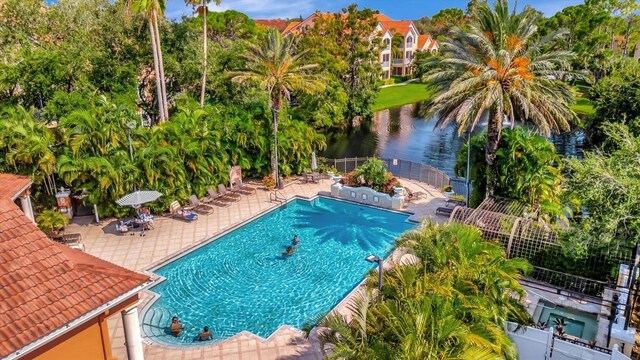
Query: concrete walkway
x,y
171,236
399,84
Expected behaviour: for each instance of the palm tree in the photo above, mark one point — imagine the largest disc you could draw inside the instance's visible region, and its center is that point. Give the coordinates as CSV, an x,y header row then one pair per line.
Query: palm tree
x,y
150,9
202,9
278,68
430,311
27,147
496,66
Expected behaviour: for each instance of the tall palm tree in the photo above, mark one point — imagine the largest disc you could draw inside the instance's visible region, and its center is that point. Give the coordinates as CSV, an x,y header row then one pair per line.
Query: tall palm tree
x,y
202,9
276,65
497,66
150,9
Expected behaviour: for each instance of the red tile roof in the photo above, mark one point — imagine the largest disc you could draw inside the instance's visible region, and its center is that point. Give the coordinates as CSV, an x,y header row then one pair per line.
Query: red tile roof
x,y
12,185
290,27
279,24
397,27
382,17
45,285
422,39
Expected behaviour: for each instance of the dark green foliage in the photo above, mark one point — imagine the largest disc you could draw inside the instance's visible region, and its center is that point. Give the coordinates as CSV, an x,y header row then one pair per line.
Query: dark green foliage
x,y
430,312
348,56
617,100
528,170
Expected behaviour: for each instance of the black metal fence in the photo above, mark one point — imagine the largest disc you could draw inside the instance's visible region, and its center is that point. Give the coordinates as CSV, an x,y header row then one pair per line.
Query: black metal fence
x,y
406,169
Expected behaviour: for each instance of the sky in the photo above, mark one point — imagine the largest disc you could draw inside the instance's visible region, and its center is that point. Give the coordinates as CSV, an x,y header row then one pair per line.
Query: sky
x,y
395,9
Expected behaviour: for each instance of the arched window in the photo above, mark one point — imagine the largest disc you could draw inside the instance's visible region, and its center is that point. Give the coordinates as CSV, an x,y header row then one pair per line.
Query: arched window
x,y
387,44
409,41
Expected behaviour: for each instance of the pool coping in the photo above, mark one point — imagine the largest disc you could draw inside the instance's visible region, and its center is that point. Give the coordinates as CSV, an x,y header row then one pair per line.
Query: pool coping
x,y
158,279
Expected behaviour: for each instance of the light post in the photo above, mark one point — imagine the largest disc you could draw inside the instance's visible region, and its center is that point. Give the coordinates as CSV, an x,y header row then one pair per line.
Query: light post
x,y
468,166
376,259
275,146
130,126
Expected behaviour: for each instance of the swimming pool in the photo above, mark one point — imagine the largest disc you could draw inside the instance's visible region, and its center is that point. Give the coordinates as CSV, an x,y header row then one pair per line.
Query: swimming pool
x,y
578,323
241,281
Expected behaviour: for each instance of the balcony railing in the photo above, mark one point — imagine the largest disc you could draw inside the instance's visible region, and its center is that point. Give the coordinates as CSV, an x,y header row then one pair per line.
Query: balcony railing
x,y
385,64
406,61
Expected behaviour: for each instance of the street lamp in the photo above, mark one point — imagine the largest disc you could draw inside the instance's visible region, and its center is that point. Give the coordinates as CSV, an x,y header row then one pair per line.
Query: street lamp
x,y
468,165
376,259
130,126
275,145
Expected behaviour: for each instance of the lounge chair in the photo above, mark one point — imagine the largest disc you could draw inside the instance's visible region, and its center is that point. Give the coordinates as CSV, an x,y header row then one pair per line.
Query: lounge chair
x,y
225,194
123,227
199,207
455,202
446,211
413,195
310,176
217,199
181,212
238,185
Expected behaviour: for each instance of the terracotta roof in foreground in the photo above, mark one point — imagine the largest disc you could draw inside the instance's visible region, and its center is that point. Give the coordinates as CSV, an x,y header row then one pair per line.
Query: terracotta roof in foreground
x,y
45,285
11,185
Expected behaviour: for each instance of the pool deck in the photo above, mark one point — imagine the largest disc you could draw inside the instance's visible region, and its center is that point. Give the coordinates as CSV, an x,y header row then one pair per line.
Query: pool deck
x,y
171,236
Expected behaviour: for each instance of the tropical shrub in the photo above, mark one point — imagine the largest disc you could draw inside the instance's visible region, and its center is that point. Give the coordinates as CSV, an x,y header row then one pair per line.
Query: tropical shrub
x,y
372,174
616,100
51,221
604,189
269,181
428,311
528,166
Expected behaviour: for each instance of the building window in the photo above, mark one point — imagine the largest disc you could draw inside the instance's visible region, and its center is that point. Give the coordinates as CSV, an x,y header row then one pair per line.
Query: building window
x,y
387,44
410,41
385,58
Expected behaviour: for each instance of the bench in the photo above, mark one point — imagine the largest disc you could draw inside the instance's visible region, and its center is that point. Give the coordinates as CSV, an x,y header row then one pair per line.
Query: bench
x,y
455,202
444,211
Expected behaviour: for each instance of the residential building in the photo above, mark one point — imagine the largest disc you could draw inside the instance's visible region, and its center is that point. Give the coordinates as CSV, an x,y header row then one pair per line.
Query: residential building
x,y
633,50
393,60
278,24
55,300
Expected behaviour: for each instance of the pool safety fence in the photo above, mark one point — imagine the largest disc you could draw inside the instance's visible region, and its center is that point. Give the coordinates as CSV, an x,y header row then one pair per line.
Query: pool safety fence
x,y
406,169
517,228
536,344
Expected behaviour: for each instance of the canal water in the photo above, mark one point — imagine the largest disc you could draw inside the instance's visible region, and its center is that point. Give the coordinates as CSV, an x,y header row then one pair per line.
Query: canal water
x,y
401,133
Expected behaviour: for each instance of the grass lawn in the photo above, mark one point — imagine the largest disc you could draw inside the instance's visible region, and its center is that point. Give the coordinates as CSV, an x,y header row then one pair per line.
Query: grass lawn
x,y
394,96
583,107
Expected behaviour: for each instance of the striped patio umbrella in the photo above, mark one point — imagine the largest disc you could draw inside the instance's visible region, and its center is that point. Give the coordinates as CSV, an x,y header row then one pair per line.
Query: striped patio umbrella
x,y
138,198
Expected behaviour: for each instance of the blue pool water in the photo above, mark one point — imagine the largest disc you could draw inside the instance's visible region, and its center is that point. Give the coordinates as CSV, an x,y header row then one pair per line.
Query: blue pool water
x,y
241,281
578,323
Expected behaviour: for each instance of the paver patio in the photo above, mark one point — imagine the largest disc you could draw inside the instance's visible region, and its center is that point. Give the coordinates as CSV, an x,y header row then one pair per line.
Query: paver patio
x,y
171,236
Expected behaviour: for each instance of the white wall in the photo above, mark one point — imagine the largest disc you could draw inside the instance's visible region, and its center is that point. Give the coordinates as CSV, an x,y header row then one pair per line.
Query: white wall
x,y
532,344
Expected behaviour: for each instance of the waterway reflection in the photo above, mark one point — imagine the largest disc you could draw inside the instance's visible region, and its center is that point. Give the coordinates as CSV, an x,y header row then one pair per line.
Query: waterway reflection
x,y
402,133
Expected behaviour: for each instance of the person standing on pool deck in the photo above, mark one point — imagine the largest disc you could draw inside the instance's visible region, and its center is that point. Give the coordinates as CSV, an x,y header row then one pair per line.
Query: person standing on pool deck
x,y
295,242
205,334
176,326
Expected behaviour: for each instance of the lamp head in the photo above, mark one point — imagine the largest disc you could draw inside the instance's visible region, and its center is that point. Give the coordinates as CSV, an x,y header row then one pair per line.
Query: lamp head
x,y
372,258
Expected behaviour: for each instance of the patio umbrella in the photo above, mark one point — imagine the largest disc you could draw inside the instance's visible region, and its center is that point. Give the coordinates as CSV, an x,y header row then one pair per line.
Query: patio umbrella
x,y
138,198
314,162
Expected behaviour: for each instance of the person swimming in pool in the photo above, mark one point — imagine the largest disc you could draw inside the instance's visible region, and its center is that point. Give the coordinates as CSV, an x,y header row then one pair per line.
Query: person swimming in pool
x,y
295,242
290,250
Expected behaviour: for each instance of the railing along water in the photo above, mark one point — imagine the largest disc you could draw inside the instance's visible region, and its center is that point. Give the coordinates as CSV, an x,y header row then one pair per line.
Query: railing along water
x,y
406,169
